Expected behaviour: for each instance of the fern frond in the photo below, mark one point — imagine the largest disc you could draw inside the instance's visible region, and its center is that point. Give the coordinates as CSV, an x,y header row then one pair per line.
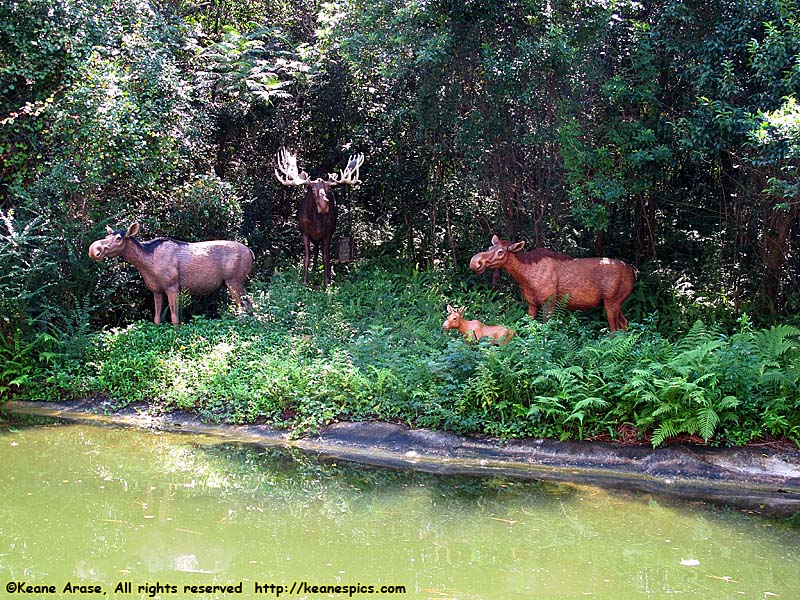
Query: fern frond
x,y
709,380
639,387
707,420
621,347
663,432
567,380
666,408
727,403
697,335
775,342
591,402
546,405
773,379
575,416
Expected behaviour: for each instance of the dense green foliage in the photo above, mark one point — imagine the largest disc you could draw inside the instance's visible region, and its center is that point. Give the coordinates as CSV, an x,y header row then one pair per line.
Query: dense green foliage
x,y
373,347
665,133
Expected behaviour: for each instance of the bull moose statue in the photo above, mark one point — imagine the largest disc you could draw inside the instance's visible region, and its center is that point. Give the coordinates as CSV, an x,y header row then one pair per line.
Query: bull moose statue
x,y
543,274
169,266
316,217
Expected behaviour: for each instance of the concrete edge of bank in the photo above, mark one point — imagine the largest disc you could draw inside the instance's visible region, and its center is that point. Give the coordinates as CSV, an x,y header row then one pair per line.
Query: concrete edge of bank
x,y
765,480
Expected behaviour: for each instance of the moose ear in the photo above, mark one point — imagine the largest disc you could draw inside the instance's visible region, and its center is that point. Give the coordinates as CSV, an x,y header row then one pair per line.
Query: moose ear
x,y
132,230
450,309
461,310
516,247
109,230
495,240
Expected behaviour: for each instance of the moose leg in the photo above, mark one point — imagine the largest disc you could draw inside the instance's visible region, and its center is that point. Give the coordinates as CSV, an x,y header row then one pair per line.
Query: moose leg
x,y
532,308
158,300
237,292
326,261
306,253
316,255
172,299
613,312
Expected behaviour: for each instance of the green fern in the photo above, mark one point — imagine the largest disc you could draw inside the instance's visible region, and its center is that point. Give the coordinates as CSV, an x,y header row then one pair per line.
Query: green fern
x,y
692,407
778,349
564,382
697,335
707,420
696,360
775,343
581,408
610,355
545,406
640,386
482,387
663,432
554,308
619,348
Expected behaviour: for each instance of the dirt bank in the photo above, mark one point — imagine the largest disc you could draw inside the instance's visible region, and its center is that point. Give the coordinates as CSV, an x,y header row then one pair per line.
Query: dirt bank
x,y
758,479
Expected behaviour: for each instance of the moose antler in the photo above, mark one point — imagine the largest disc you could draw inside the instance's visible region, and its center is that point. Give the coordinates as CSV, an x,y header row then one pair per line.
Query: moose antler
x,y
350,174
287,164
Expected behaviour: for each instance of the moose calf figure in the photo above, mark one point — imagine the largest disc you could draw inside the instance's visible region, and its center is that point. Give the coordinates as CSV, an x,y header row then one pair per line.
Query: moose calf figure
x,y
475,330
169,266
543,274
316,217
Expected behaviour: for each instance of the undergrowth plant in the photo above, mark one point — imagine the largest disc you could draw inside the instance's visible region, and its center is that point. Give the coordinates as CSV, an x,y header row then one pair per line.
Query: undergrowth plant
x,y
372,347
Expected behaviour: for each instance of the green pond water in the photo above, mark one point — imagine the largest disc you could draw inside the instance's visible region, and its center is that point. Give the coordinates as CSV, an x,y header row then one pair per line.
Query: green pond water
x,y
108,507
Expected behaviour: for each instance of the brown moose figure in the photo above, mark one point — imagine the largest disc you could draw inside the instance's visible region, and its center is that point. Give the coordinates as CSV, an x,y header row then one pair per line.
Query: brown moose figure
x,y
475,330
316,217
543,274
169,266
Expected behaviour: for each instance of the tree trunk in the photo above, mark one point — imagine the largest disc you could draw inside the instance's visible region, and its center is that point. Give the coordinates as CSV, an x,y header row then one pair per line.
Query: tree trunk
x,y
778,225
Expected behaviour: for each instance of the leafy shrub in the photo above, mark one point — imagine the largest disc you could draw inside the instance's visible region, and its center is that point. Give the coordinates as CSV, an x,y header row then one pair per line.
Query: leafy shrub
x,y
202,209
43,308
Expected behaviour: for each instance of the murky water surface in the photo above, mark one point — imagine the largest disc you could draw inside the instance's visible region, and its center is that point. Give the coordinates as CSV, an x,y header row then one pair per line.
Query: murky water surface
x,y
108,507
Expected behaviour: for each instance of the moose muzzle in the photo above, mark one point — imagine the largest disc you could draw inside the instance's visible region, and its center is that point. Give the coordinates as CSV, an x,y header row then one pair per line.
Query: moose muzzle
x,y
478,264
97,250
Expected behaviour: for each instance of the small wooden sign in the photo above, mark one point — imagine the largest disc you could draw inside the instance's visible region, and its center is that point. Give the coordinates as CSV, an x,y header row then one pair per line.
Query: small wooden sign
x,y
343,249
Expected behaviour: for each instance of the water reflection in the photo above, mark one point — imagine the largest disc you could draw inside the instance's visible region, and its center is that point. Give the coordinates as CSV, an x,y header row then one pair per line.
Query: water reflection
x,y
106,505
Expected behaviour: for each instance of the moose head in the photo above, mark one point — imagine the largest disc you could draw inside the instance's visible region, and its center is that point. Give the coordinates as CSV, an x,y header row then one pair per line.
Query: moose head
x,y
316,217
